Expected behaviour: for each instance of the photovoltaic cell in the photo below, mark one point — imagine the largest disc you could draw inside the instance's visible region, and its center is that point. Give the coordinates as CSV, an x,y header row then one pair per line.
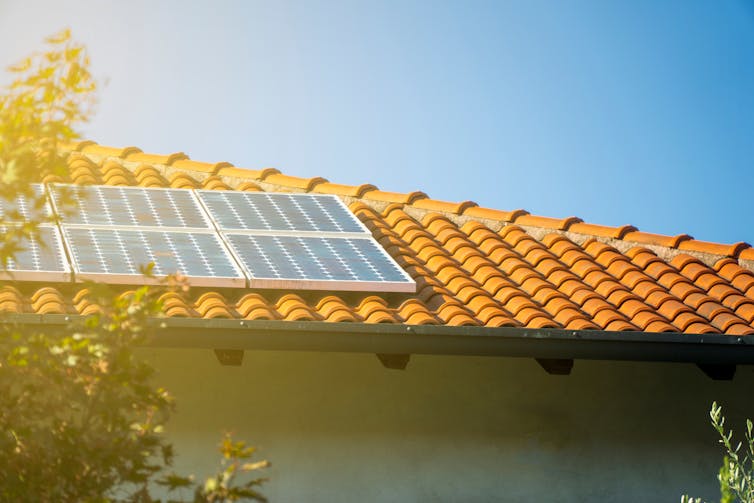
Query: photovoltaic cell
x,y
264,211
117,254
132,206
40,258
26,208
345,263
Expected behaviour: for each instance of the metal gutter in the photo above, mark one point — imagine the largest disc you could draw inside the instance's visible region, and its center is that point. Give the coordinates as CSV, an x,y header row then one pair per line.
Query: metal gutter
x,y
553,344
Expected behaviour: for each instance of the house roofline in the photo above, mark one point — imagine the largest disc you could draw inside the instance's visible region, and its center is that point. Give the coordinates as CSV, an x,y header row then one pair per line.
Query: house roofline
x,y
400,339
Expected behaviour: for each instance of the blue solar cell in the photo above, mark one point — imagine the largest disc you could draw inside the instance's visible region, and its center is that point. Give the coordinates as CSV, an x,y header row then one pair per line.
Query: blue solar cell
x,y
32,207
264,211
40,258
119,253
316,259
132,206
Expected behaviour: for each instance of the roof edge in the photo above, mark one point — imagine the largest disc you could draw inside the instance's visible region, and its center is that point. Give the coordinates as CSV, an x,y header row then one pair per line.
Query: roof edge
x,y
312,336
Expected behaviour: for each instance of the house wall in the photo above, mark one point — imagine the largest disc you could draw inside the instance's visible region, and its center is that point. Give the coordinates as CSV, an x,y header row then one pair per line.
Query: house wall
x,y
341,428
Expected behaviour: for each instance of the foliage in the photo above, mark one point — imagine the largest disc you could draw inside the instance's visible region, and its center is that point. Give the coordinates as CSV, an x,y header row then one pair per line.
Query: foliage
x,y
736,475
52,93
80,419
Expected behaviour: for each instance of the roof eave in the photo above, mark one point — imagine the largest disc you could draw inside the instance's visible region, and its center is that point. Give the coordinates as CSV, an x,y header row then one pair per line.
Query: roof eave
x,y
545,343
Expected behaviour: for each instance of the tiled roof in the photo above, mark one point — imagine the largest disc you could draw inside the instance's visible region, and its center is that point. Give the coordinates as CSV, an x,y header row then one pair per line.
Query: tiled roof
x,y
472,265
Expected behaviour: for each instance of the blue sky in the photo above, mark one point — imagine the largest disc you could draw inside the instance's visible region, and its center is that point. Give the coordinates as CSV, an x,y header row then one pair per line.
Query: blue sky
x,y
617,112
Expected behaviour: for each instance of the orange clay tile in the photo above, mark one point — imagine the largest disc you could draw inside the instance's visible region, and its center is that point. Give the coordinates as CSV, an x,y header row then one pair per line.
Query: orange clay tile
x,y
443,206
113,173
643,257
620,296
456,315
11,300
333,309
683,289
393,197
606,287
148,176
724,321
213,305
549,267
102,151
644,319
253,306
572,287
558,276
606,316
168,159
701,328
740,329
708,280
293,308
713,248
722,291
245,174
746,312
214,183
547,222
566,317
176,306
746,254
685,319
248,187
603,231
190,166
656,239
659,326
295,182
503,216
48,300
546,294
183,181
449,233
744,283
343,190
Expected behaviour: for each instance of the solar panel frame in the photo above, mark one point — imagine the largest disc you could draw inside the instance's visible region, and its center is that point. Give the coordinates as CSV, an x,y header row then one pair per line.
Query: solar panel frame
x,y
80,238
55,251
241,244
330,206
114,206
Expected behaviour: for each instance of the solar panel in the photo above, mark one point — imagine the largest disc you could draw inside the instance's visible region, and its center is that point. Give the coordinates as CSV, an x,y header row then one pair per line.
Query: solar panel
x,y
132,206
274,212
115,255
318,263
40,258
26,208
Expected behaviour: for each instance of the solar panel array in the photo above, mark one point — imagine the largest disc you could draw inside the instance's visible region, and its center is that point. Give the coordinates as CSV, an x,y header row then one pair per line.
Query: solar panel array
x,y
213,238
40,256
307,241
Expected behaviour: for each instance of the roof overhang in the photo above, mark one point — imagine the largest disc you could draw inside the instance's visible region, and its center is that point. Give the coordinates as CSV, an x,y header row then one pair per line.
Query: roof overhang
x,y
398,339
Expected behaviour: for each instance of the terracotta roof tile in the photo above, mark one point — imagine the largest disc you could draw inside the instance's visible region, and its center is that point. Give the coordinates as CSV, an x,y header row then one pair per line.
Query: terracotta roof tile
x,y
305,184
443,206
490,214
168,159
228,171
602,230
393,197
714,248
473,266
547,222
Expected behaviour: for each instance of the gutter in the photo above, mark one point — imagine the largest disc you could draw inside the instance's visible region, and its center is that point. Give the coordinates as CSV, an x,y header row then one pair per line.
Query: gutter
x,y
547,344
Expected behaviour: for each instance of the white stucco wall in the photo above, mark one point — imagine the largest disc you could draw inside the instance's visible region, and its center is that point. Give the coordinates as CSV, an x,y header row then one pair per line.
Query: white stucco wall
x,y
340,427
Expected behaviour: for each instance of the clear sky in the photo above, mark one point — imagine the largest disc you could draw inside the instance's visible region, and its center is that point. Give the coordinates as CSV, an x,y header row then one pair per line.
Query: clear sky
x,y
635,112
